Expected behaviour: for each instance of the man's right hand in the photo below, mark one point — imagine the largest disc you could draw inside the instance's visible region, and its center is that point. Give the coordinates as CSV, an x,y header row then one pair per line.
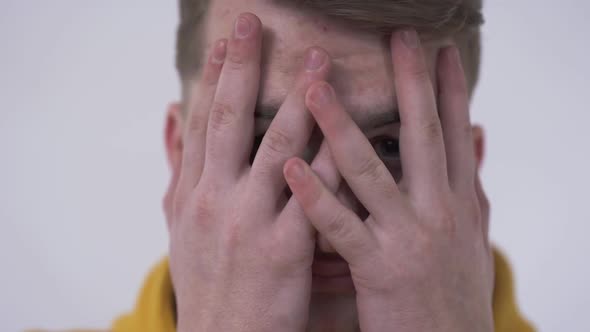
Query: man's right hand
x,y
241,251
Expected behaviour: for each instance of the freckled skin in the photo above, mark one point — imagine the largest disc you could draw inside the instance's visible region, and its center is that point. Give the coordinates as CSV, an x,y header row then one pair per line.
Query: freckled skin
x,y
361,75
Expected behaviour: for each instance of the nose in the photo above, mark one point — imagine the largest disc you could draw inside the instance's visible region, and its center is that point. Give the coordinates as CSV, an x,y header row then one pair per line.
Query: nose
x,y
349,200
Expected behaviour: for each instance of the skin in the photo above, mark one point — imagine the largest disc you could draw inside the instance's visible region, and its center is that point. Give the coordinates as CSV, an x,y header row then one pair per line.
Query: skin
x,y
242,251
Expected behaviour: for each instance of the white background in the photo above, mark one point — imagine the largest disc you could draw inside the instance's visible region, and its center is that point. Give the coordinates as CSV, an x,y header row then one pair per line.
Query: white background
x,y
83,88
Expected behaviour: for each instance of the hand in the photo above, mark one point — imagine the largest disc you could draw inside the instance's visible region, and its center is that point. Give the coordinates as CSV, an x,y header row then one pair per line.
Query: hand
x,y
240,251
421,261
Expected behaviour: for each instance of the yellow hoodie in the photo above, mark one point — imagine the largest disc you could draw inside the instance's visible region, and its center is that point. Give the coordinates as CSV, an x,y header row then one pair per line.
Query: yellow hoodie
x,y
155,308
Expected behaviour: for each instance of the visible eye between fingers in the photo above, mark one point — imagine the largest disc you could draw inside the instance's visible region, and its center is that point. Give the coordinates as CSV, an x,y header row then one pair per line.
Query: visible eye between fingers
x,y
387,148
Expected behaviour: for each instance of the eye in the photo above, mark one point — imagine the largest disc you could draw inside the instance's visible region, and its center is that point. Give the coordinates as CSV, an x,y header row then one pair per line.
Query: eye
x,y
387,148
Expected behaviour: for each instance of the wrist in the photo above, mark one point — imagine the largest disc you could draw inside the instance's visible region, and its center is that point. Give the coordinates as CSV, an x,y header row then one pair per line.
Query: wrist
x,y
242,317
378,312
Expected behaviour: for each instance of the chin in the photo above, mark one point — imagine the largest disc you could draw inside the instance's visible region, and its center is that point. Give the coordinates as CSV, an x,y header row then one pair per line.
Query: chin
x,y
332,285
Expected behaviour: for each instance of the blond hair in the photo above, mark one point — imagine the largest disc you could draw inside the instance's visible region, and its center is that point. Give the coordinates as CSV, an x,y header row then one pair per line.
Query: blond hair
x,y
459,19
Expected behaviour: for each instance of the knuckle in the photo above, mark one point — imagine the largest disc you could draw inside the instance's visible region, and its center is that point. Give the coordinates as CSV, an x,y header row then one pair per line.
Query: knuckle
x,y
432,130
277,141
203,210
386,189
233,234
236,60
278,251
370,168
336,224
297,212
447,223
441,217
424,242
420,73
222,114
273,250
390,193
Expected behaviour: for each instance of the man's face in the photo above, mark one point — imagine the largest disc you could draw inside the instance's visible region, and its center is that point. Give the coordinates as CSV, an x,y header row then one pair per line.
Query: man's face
x,y
362,76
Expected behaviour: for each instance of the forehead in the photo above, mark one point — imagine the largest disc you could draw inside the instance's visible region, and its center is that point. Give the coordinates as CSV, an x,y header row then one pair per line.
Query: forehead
x,y
362,73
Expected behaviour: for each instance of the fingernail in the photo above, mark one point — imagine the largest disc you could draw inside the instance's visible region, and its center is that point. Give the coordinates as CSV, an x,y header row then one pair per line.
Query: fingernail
x,y
321,95
314,59
410,38
296,171
242,27
219,51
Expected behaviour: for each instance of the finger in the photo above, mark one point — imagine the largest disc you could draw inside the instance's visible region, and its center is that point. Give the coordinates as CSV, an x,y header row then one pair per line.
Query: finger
x,y
197,118
324,167
343,229
353,154
453,101
231,119
292,218
421,141
289,132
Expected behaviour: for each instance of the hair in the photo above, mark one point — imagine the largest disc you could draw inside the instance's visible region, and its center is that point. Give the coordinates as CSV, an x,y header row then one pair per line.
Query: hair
x,y
460,19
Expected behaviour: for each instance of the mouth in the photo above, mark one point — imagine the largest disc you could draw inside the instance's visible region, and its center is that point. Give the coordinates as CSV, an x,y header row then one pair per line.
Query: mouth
x,y
332,267
331,274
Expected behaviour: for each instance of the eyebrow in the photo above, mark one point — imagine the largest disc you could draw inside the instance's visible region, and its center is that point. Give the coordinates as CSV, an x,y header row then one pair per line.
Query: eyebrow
x,y
366,121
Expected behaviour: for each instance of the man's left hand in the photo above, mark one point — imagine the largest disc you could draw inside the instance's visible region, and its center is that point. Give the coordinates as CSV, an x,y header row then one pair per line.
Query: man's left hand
x,y
422,260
